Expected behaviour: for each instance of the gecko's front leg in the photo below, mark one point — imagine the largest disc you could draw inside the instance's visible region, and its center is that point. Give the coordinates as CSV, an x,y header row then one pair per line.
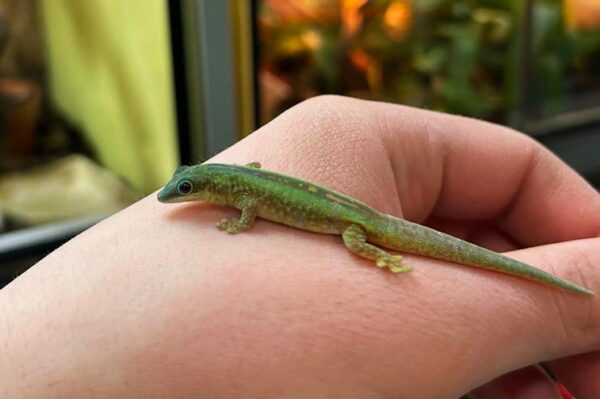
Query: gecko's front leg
x,y
247,204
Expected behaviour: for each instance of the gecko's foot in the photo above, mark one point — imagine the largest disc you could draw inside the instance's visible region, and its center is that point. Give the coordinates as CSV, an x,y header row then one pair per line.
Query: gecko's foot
x,y
393,263
230,226
255,165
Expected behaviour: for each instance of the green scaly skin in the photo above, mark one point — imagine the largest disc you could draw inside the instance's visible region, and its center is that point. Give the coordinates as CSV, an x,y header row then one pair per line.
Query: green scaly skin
x,y
307,206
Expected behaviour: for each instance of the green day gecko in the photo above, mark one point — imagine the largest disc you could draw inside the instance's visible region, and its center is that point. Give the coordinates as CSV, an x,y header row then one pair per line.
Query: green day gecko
x,y
307,206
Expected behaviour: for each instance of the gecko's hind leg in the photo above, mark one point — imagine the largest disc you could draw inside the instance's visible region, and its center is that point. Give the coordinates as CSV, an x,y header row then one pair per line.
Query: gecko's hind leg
x,y
355,239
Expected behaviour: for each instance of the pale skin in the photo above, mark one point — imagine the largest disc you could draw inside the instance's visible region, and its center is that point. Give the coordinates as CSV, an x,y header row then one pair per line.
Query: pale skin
x,y
157,302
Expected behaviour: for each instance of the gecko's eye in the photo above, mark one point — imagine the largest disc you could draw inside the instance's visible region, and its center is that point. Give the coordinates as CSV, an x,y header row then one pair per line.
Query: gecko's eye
x,y
185,187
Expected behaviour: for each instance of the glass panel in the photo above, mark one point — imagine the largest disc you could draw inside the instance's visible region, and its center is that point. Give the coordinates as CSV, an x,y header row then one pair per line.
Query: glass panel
x,y
454,56
565,57
85,116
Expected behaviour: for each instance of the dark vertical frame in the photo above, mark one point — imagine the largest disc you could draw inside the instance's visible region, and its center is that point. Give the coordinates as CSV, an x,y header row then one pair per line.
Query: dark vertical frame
x,y
524,63
180,82
203,77
256,56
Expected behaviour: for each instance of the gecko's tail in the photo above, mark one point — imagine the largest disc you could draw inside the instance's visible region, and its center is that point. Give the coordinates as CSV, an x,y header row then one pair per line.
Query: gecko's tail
x,y
421,240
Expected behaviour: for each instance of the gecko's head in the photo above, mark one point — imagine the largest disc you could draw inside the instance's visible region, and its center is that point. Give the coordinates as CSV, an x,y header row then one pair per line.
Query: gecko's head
x,y
187,184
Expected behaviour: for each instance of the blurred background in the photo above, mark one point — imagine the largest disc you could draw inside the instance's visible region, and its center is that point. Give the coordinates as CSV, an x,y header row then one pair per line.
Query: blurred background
x,y
101,99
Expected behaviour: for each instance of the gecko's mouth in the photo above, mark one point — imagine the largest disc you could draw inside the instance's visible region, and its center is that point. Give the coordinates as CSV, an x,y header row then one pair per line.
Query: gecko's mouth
x,y
168,196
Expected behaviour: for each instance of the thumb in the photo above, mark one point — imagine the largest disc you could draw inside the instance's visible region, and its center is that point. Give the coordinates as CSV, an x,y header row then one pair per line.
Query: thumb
x,y
574,321
534,324
495,323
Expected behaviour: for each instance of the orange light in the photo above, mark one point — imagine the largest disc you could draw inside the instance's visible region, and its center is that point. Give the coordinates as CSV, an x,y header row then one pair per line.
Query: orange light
x,y
351,16
360,59
397,19
312,39
581,14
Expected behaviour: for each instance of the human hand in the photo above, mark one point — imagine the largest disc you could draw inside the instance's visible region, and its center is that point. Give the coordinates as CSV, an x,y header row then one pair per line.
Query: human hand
x,y
157,302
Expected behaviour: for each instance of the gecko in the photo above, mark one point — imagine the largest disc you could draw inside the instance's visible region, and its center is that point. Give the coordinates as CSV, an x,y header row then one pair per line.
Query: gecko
x,y
294,202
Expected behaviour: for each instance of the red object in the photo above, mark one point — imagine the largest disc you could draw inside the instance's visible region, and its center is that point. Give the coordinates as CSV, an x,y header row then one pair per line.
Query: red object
x,y
20,102
564,392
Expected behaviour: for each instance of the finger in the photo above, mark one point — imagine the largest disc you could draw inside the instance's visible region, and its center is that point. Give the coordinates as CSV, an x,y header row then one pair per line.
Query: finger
x,y
513,322
579,374
483,234
527,383
568,327
493,172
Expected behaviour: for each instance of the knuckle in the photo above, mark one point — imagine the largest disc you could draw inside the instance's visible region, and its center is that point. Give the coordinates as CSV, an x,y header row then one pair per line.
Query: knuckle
x,y
578,323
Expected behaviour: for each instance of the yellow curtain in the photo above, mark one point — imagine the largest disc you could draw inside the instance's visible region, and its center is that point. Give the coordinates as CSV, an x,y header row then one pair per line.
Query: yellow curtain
x,y
110,74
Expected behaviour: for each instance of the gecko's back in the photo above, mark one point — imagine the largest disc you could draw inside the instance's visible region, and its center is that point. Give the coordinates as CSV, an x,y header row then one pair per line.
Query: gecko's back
x,y
297,203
